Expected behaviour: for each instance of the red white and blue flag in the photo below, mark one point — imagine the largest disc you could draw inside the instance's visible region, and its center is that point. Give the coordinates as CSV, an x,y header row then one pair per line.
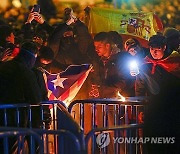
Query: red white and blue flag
x,y
65,85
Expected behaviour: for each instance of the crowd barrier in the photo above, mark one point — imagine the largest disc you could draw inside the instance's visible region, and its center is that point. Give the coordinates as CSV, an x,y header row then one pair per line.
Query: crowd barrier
x,y
121,144
64,135
40,140
103,113
13,140
123,112
88,115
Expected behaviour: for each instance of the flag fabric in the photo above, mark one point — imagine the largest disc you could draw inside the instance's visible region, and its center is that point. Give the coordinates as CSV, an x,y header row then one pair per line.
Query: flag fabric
x,y
65,85
171,64
139,24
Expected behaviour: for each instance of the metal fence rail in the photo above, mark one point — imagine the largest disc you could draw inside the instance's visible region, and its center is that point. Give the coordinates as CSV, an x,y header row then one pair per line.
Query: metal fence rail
x,y
40,140
23,116
26,115
127,110
100,139
103,113
15,141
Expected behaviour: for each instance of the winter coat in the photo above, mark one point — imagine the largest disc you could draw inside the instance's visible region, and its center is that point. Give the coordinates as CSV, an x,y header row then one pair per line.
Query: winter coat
x,y
114,76
18,83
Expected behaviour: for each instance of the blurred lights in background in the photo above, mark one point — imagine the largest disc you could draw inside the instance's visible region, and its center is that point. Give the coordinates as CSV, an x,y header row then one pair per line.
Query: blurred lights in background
x,y
16,3
166,10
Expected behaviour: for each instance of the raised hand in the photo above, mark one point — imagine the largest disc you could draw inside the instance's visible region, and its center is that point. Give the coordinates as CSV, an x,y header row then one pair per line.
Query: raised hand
x,y
30,17
38,17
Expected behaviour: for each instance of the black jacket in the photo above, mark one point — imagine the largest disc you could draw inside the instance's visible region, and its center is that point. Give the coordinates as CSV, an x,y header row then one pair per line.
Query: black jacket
x,y
72,50
18,83
114,76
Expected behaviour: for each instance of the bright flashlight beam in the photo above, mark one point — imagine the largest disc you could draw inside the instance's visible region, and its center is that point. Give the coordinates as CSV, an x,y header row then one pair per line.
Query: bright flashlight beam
x,y
134,70
133,64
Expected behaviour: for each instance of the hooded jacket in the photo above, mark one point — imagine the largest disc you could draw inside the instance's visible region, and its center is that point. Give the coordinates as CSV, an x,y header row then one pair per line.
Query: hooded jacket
x,y
18,83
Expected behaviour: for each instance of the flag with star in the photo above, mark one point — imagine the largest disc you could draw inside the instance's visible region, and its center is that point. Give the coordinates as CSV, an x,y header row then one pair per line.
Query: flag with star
x,y
65,85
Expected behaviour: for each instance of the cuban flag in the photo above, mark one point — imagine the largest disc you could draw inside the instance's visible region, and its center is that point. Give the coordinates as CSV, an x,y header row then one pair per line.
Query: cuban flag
x,y
65,85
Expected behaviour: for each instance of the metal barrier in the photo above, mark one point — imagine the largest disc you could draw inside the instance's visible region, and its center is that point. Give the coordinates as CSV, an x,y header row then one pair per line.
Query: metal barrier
x,y
33,116
40,140
103,113
22,114
122,145
14,140
119,108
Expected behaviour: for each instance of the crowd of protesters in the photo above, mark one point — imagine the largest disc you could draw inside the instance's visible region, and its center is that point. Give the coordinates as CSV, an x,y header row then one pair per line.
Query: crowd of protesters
x,y
37,44
167,11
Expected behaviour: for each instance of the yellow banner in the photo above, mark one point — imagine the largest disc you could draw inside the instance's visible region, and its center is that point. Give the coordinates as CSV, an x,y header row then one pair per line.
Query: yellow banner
x,y
138,24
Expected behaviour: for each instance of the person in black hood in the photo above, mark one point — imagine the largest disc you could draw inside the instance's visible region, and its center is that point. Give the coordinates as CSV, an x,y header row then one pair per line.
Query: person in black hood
x,y
18,82
173,39
46,62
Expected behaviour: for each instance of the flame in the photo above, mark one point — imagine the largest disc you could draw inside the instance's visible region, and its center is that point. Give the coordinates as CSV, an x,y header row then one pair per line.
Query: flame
x,y
122,98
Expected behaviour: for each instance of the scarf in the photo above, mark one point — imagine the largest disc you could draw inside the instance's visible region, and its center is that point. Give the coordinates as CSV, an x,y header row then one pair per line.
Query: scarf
x,y
171,64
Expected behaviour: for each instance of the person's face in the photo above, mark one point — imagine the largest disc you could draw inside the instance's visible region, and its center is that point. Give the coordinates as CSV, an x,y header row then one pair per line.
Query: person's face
x,y
157,52
102,49
11,38
44,61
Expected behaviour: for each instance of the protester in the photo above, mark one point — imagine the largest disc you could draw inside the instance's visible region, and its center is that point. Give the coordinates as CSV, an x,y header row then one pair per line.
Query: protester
x,y
158,68
8,49
46,61
134,47
113,68
18,82
159,79
66,40
36,29
173,39
117,41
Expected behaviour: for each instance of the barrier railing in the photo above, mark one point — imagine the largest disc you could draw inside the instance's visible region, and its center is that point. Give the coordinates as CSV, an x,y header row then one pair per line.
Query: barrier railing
x,y
123,112
40,140
90,114
13,140
122,144
34,116
103,113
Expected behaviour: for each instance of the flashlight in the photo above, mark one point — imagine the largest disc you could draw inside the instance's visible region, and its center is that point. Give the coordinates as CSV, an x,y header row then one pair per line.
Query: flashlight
x,y
134,69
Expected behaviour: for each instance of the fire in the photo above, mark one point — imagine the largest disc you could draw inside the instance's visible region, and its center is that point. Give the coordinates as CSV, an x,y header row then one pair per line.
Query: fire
x,y
122,98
